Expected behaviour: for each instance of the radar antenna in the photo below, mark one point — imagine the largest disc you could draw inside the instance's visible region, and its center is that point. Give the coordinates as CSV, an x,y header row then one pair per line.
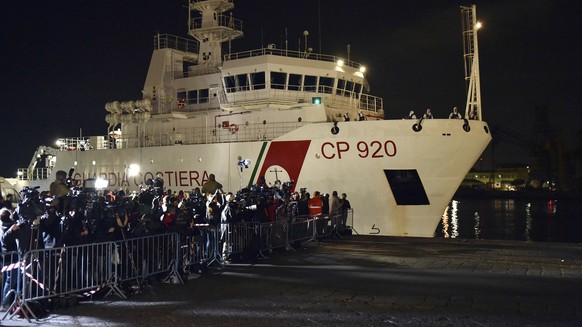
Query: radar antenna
x,y
471,57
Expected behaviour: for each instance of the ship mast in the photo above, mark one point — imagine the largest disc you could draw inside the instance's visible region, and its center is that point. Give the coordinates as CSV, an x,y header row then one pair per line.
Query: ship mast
x,y
212,28
471,57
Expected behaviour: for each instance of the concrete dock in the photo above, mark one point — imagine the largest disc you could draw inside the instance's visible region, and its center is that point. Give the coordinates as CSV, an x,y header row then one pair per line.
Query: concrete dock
x,y
362,281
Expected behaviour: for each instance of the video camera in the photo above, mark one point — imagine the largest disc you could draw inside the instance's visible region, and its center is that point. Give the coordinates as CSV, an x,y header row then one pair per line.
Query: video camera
x,y
29,206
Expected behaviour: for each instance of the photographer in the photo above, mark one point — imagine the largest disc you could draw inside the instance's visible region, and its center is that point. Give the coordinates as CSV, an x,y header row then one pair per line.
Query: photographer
x,y
196,202
27,214
8,240
149,210
214,207
303,205
50,224
228,216
158,185
293,207
278,190
73,231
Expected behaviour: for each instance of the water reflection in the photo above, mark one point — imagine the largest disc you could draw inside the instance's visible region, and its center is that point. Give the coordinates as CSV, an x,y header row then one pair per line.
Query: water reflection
x,y
515,219
450,225
477,227
528,221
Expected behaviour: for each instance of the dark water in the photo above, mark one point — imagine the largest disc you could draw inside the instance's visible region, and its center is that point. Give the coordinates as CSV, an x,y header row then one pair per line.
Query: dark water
x,y
513,219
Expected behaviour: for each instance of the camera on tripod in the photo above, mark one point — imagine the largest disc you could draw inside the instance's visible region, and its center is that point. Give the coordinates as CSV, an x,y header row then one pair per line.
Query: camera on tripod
x,y
29,206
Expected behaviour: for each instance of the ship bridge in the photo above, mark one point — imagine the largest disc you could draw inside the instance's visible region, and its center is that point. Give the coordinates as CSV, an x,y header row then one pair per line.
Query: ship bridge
x,y
279,77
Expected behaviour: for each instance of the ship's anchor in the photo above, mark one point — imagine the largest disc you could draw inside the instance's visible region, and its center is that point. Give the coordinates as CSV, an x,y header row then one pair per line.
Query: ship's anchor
x,y
375,228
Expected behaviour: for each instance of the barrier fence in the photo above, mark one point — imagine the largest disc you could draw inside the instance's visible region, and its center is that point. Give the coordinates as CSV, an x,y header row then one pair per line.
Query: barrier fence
x,y
47,273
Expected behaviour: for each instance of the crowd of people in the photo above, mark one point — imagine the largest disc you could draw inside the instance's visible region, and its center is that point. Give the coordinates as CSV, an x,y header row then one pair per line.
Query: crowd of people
x,y
67,216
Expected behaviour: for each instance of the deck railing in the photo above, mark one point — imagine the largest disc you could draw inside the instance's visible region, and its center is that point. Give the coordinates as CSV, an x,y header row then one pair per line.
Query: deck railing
x,y
291,54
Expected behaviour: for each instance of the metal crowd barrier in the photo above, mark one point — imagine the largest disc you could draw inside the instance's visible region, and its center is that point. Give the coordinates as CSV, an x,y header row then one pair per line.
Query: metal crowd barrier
x,y
45,273
9,276
145,257
241,237
195,248
274,235
72,269
48,273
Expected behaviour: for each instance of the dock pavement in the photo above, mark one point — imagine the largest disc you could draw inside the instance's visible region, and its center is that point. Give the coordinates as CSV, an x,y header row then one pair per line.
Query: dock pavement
x,y
361,281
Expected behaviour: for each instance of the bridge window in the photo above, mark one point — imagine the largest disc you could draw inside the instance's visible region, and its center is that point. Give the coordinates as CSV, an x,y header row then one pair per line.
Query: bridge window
x,y
349,88
310,83
278,80
229,84
341,85
258,80
242,81
192,97
326,84
294,82
203,96
358,90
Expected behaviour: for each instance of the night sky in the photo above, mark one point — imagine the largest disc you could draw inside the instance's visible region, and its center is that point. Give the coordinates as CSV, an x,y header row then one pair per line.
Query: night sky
x,y
63,60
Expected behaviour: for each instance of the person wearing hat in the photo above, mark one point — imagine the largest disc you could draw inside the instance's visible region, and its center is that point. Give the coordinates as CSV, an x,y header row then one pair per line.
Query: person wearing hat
x,y
8,235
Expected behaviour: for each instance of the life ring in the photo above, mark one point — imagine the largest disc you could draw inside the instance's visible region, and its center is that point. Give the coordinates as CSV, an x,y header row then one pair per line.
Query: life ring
x,y
233,128
181,103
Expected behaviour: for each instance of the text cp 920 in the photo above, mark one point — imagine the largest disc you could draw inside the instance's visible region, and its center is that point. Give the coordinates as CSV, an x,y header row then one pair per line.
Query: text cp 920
x,y
364,149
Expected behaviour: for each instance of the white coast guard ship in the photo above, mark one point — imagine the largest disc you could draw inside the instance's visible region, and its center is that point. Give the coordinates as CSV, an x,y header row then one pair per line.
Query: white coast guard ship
x,y
281,114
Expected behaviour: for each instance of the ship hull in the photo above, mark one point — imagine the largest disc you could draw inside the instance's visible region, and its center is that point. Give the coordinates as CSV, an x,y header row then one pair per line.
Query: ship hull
x,y
398,181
